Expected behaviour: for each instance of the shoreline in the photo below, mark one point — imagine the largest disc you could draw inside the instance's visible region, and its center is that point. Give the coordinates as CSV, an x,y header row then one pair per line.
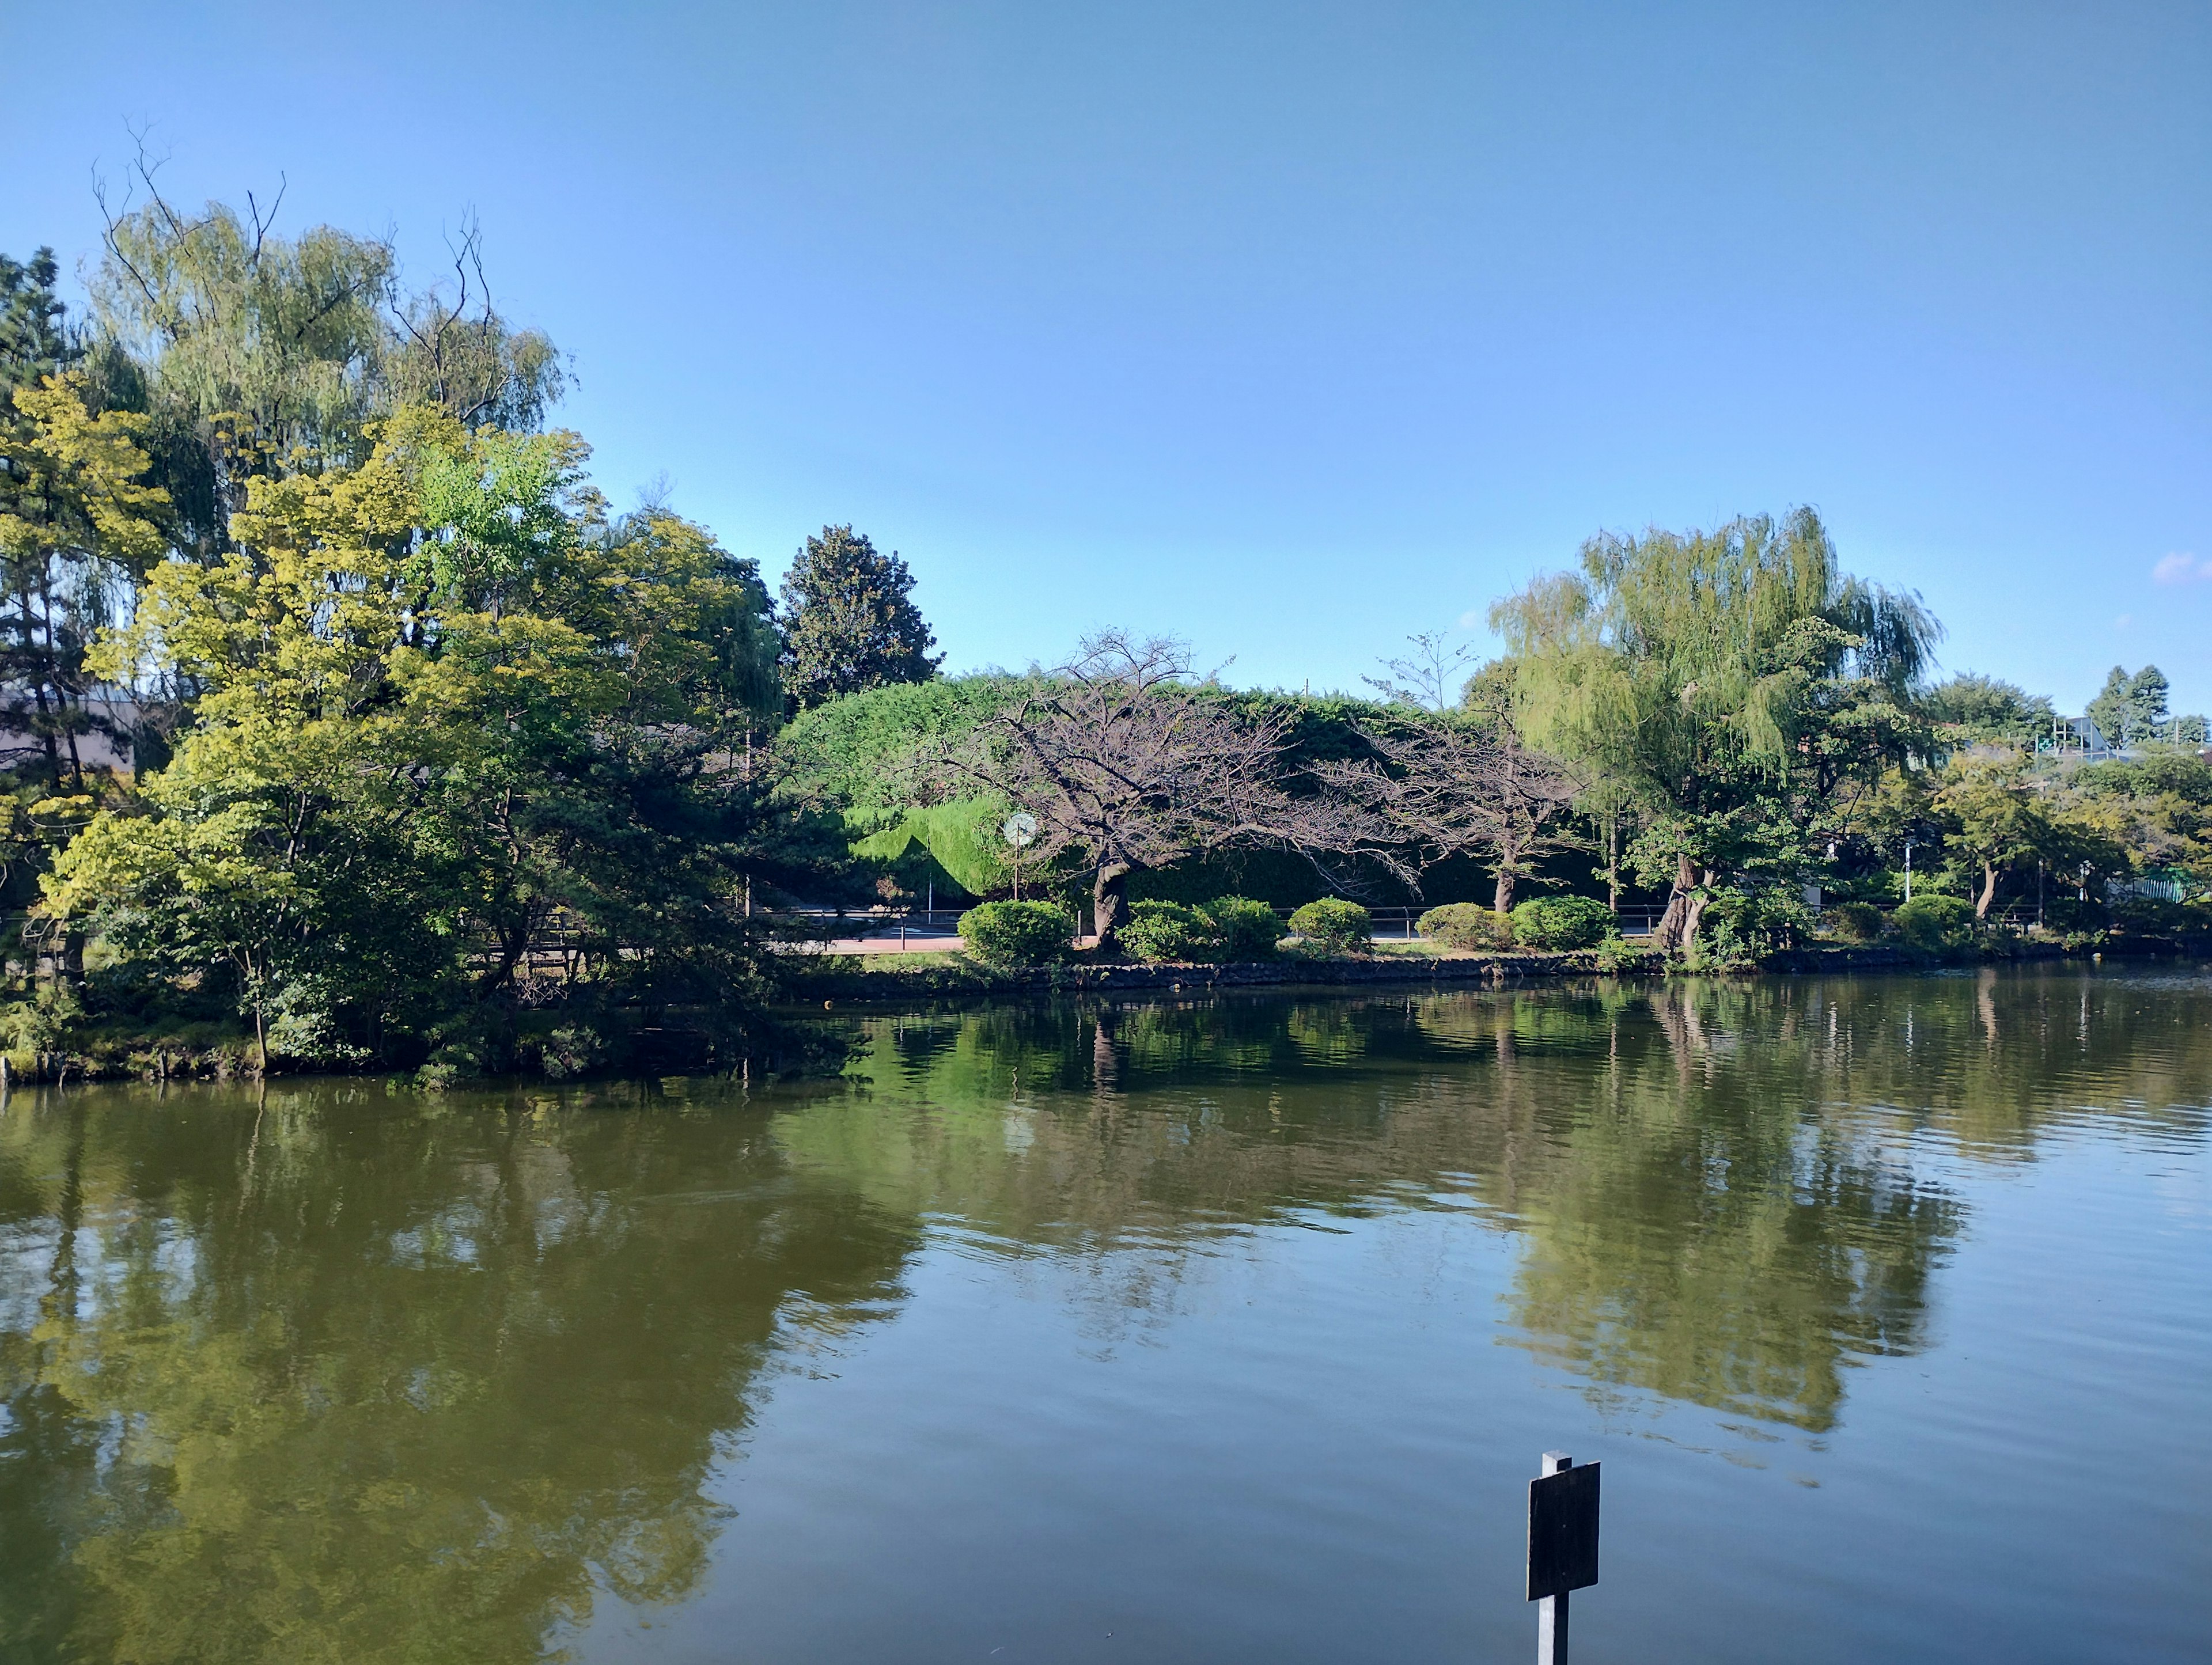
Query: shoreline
x,y
870,982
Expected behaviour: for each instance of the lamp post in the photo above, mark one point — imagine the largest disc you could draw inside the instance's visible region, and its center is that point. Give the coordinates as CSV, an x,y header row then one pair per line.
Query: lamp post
x,y
1908,870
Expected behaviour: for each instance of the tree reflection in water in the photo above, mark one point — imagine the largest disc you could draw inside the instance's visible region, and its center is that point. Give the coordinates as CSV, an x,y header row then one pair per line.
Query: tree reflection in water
x,y
354,1378
362,1376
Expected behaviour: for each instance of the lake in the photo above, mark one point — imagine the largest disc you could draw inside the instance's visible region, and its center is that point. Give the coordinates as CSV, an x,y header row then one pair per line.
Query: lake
x,y
1216,1330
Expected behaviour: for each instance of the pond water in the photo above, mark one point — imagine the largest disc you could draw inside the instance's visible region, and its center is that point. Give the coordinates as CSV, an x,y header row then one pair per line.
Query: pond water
x,y
1222,1331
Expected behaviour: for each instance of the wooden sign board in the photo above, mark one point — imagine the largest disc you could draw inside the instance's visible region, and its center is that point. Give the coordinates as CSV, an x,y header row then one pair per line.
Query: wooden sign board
x,y
1563,1531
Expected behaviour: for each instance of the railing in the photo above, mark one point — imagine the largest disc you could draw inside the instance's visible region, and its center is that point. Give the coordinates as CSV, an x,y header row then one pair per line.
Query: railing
x,y
916,927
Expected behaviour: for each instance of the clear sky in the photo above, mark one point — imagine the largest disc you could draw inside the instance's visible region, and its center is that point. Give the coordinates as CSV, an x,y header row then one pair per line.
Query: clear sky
x,y
1290,329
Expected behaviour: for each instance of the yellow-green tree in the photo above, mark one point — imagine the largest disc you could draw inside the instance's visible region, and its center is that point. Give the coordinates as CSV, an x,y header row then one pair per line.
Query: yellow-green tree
x,y
78,525
445,702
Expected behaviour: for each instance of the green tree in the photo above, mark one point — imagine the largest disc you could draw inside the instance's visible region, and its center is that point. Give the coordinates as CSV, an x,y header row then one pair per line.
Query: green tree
x,y
448,713
849,620
78,525
1976,708
2131,708
1992,820
34,342
1737,686
251,351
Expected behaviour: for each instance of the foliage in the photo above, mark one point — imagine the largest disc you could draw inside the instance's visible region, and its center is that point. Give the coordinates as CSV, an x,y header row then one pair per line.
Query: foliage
x,y
1017,933
2131,708
1751,925
450,715
1437,787
1556,922
1933,923
849,620
1992,819
1736,686
77,525
955,845
2152,814
1248,930
1467,927
248,349
1971,709
1333,926
1854,921
1127,767
1234,929
1171,931
858,751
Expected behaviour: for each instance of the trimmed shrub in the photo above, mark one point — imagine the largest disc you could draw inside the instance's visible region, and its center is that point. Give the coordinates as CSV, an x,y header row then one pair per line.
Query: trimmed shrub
x,y
1467,926
1015,934
1933,923
1334,926
1159,931
1248,930
1562,922
1854,921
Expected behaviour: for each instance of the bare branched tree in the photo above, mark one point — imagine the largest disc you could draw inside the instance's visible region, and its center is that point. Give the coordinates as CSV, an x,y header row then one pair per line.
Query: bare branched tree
x,y
1128,765
1427,676
1463,785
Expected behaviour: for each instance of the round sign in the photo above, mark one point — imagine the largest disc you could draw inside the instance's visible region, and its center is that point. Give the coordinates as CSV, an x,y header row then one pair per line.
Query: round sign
x,y
1020,828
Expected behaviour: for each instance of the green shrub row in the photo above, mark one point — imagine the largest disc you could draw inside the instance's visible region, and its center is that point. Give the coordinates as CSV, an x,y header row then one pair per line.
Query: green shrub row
x,y
1225,929
1548,922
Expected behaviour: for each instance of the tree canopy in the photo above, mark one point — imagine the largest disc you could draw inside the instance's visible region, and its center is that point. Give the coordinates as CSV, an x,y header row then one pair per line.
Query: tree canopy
x,y
1731,682
849,620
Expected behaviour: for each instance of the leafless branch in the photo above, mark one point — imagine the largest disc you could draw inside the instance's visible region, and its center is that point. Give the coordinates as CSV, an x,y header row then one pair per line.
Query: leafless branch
x,y
1128,764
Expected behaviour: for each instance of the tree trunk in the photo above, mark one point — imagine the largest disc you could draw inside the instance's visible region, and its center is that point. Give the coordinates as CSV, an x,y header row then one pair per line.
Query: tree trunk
x,y
1106,906
1686,906
1502,899
1989,890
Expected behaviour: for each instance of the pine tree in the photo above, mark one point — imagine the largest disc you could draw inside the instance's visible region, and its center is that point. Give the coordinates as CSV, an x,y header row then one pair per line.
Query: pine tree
x,y
849,622
33,342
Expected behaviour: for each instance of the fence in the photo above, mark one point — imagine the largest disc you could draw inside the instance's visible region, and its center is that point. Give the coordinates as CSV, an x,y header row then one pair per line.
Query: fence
x,y
918,926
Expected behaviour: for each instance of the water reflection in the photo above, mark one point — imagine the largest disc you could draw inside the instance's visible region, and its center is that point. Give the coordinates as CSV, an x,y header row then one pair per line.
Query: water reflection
x,y
358,1376
347,1379
1719,1186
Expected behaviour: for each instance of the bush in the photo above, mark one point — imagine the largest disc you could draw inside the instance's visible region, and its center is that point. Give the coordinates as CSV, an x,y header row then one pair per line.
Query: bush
x,y
1334,926
1933,923
1248,930
1854,921
1562,922
1013,933
1160,931
1468,926
1748,927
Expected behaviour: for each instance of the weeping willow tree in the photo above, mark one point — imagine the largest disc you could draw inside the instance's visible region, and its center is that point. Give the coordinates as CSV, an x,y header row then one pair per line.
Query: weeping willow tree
x,y
1735,687
253,352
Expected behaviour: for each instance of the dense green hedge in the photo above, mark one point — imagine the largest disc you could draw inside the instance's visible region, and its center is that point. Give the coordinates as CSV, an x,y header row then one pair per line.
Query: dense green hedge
x,y
1227,928
1334,926
1467,926
1555,922
1015,934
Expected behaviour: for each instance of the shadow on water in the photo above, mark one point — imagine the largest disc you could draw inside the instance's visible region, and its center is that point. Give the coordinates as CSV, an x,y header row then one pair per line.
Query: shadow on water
x,y
352,1375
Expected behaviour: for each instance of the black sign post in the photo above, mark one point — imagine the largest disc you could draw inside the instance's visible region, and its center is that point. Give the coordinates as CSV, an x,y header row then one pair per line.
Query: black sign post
x,y
1562,1546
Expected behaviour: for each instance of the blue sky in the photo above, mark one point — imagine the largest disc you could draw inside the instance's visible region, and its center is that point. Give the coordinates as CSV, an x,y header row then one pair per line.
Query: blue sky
x,y
1290,329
